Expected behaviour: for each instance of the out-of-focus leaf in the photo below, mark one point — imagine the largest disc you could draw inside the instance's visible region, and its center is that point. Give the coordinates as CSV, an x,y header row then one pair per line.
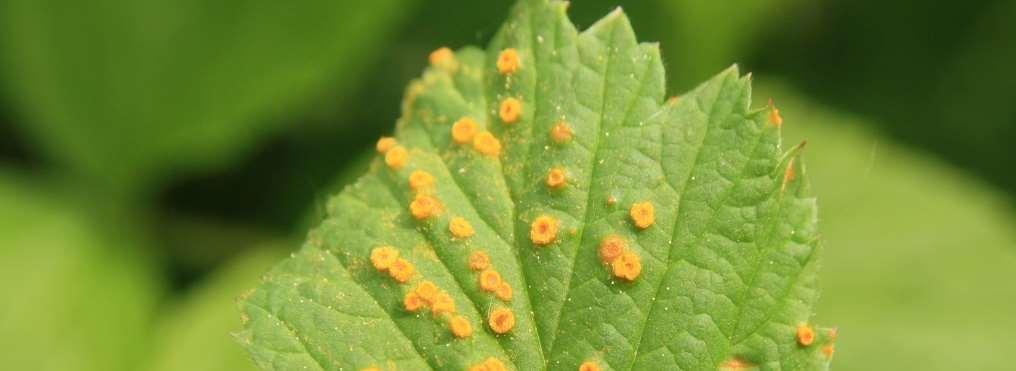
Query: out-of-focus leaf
x,y
920,256
195,335
75,297
122,91
705,36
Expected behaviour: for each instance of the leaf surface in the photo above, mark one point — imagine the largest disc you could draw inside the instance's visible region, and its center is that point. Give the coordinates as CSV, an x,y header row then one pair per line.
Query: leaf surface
x,y
728,264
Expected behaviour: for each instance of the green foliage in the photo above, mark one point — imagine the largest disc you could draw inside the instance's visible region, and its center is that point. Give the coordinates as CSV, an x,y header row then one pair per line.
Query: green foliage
x,y
728,270
920,254
75,297
124,91
194,334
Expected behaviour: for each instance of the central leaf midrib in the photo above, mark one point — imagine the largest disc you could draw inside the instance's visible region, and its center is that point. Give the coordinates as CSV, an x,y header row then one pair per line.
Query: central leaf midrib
x,y
677,221
628,109
595,150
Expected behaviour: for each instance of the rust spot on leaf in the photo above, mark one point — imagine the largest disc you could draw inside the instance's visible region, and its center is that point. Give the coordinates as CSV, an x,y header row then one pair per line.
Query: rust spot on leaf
x,y
424,206
490,280
642,214
427,291
611,248
561,133
510,110
502,320
556,178
442,57
460,327
805,335
442,304
460,227
401,270
464,130
504,291
420,180
487,144
412,301
396,157
628,266
543,231
774,115
382,257
589,366
384,144
508,61
479,260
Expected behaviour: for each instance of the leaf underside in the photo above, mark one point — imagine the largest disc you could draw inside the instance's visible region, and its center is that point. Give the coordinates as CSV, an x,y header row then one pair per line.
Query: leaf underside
x,y
729,266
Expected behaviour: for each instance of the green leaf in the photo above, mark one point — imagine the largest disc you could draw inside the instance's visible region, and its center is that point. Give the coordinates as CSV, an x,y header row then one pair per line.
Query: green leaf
x,y
703,44
75,298
728,267
923,251
198,325
123,91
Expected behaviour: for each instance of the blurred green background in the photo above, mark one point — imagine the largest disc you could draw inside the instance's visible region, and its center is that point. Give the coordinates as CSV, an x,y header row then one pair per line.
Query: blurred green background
x,y
156,156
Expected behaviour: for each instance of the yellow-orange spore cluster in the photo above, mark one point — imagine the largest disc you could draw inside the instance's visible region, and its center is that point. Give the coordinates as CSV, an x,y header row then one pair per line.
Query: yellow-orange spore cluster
x,y
508,61
504,291
501,320
442,57
396,157
510,110
543,230
642,214
386,259
420,180
424,207
775,118
489,364
556,178
561,133
479,260
460,228
460,327
485,143
384,144
490,280
589,366
611,248
426,295
401,270
624,263
805,335
463,130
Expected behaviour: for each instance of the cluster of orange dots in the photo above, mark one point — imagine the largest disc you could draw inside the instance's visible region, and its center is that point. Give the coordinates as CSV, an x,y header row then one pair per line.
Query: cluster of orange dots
x,y
386,259
624,263
465,131
489,364
805,336
501,320
589,366
426,295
